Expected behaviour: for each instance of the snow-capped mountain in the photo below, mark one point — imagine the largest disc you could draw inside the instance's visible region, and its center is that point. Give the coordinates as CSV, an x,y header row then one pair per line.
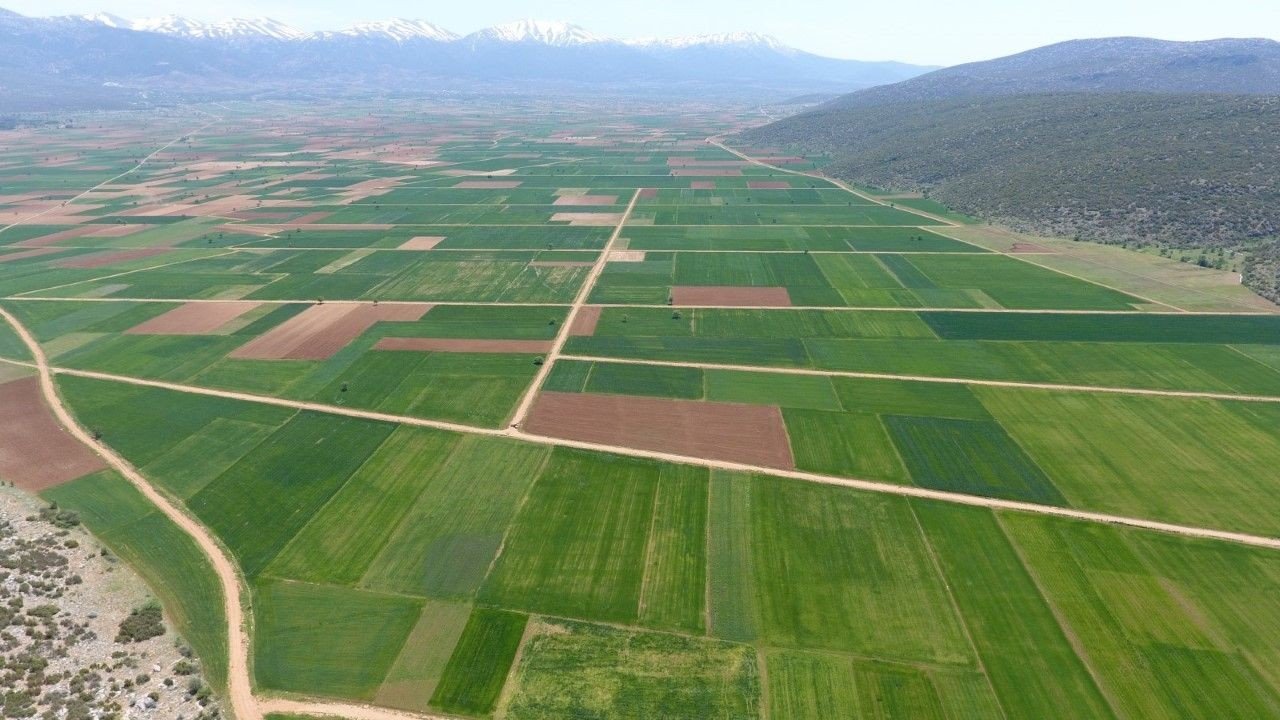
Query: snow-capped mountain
x,y
235,28
545,32
398,29
81,60
105,18
538,32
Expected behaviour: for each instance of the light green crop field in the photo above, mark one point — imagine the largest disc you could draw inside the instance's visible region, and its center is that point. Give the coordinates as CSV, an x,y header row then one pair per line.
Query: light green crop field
x,y
414,530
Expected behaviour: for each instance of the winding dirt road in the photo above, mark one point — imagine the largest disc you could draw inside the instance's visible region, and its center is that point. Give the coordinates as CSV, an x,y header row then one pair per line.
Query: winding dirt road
x,y
239,687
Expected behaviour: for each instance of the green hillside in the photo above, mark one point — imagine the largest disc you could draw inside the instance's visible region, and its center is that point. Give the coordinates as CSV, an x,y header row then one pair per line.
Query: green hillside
x,y
1180,171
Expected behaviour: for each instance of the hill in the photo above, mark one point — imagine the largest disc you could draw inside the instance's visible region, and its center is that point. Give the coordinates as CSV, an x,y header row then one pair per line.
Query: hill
x,y
1112,160
1123,64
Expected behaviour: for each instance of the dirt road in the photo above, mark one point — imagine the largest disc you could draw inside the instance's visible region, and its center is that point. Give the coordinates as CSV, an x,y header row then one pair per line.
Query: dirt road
x,y
864,485
584,292
1187,394
239,687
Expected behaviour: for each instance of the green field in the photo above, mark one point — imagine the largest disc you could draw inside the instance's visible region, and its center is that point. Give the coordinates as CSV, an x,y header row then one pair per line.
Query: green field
x,y
404,541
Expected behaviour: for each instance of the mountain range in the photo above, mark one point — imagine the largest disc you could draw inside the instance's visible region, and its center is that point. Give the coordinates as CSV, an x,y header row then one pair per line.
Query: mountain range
x,y
105,60
1124,140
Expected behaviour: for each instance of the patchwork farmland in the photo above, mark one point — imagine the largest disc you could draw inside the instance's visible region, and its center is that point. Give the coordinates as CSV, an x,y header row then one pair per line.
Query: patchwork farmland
x,y
547,411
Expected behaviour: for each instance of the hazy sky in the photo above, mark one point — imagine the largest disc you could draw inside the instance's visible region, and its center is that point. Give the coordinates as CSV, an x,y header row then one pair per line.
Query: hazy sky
x,y
923,31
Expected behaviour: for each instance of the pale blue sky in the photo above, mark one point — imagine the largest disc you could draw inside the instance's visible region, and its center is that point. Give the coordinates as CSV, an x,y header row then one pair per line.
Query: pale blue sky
x,y
923,31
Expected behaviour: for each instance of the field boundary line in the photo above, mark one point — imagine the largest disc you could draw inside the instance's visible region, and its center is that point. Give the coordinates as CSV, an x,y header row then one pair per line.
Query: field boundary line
x,y
1064,387
955,605
584,292
1068,632
886,488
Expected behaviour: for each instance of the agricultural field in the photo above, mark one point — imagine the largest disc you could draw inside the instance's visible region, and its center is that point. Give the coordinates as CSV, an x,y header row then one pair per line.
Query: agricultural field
x,y
551,411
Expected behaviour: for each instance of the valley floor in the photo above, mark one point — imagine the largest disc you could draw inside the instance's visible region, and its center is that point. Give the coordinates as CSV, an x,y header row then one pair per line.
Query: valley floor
x,y
548,411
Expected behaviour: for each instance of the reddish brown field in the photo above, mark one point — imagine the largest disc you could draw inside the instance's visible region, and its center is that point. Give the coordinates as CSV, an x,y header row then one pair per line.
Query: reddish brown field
x,y
489,184
24,254
752,434
113,231
422,242
586,200
729,295
590,219
45,240
702,185
322,330
98,260
584,323
451,345
35,452
768,185
648,193
196,318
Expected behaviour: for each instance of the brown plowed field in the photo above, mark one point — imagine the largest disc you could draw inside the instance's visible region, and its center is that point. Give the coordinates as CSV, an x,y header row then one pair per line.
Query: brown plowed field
x,y
589,219
751,434
459,345
196,318
768,185
45,240
586,200
24,254
322,330
730,295
422,242
98,260
584,323
702,185
35,452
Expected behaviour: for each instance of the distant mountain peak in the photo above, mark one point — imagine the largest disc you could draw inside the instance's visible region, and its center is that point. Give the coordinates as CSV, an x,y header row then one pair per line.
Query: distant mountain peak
x,y
546,32
106,18
235,28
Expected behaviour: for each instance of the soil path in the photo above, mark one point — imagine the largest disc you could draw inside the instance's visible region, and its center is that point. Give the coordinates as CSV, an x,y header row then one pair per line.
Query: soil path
x,y
239,688
566,327
1191,394
864,485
